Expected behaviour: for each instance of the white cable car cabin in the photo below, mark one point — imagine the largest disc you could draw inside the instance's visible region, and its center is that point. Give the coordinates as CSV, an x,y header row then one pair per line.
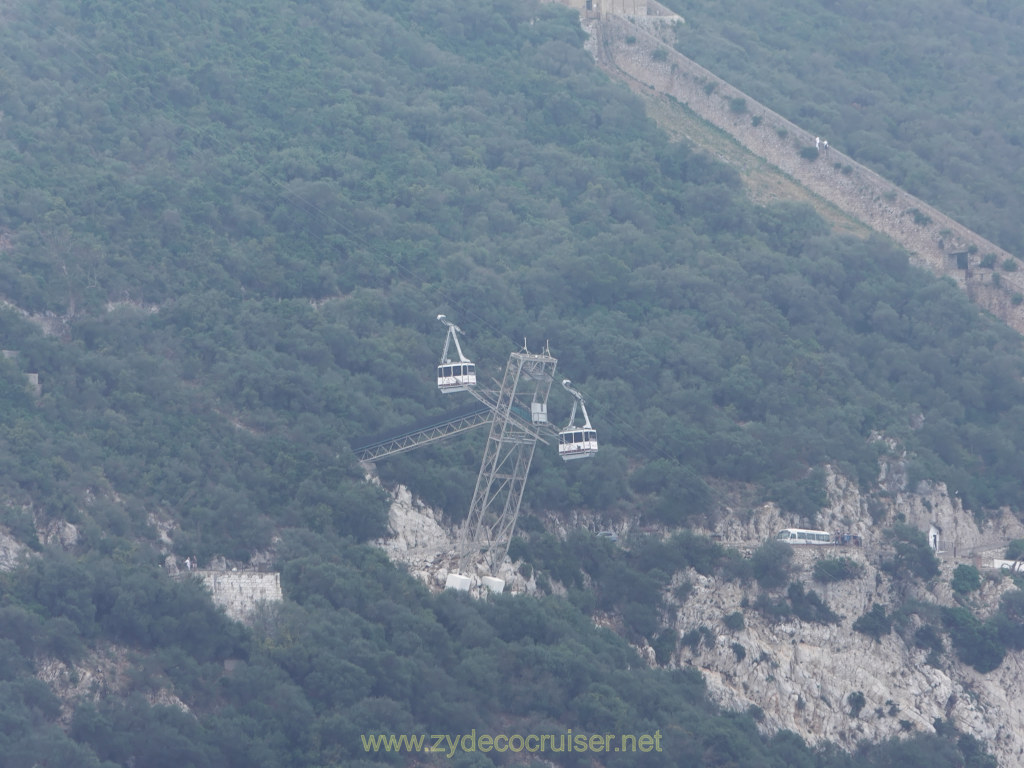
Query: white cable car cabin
x,y
803,536
577,442
458,376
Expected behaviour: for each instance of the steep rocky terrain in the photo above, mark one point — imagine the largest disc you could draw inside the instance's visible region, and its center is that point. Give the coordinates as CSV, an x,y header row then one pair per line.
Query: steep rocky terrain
x,y
800,675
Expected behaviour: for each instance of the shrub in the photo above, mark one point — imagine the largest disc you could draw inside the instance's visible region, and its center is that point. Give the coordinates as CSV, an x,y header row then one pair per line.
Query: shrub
x,y
808,606
809,153
664,646
683,591
660,55
1015,550
913,555
734,621
837,569
738,105
976,643
739,651
966,578
921,219
988,261
874,623
927,638
1010,265
697,637
773,610
518,549
856,701
735,567
770,564
1009,620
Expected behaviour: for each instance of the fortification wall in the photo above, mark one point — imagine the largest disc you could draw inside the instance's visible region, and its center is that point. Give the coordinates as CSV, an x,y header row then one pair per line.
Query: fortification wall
x,y
241,592
633,49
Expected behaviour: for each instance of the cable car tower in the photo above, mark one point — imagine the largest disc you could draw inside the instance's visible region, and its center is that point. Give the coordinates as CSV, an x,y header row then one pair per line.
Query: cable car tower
x,y
520,411
518,416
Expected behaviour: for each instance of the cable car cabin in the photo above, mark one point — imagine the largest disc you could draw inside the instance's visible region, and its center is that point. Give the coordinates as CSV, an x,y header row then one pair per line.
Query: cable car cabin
x,y
803,536
577,443
456,377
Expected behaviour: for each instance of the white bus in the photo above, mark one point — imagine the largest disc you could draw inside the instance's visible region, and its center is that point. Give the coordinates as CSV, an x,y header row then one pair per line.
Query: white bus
x,y
803,536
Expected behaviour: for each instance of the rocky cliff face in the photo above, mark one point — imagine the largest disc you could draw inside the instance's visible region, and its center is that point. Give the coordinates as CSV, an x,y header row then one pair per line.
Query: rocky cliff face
x,y
10,551
428,548
801,675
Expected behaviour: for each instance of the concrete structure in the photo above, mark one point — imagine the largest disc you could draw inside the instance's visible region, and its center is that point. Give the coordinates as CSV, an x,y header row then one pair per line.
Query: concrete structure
x,y
241,592
634,9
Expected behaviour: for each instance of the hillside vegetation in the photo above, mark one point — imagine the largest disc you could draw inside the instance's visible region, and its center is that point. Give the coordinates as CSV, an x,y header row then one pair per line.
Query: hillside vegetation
x,y
242,218
925,93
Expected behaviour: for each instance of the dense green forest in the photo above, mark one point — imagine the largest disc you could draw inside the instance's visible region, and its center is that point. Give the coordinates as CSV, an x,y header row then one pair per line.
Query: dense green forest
x,y
239,221
926,92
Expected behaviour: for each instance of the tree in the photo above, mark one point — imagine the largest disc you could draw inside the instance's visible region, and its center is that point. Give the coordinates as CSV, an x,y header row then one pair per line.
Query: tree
x,y
856,701
875,623
976,643
966,579
914,556
770,564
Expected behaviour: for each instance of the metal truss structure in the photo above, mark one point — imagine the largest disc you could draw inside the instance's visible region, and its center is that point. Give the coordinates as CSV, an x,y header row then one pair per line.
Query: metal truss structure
x,y
517,412
519,415
414,437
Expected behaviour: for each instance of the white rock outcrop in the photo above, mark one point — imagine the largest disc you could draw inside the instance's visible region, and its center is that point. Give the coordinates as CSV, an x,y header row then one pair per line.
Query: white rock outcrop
x,y
801,675
10,551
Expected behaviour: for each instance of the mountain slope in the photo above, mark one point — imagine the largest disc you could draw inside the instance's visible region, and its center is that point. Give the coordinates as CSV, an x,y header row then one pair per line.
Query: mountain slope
x,y
925,93
227,230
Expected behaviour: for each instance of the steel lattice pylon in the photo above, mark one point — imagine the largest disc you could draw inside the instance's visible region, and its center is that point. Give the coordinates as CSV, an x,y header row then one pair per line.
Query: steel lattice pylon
x,y
519,414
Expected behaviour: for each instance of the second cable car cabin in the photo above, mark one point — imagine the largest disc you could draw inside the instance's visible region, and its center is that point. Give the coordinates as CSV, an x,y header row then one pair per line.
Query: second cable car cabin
x,y
458,376
577,442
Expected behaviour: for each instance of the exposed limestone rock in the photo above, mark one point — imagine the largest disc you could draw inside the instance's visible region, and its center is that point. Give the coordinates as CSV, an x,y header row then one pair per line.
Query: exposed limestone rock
x,y
164,525
429,549
801,674
418,540
10,551
98,675
60,533
415,528
50,323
